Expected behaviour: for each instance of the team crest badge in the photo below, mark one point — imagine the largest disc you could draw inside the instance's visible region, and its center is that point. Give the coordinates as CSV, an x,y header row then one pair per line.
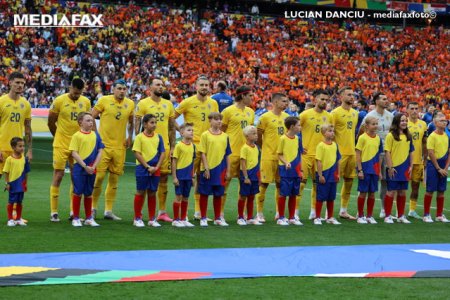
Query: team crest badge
x,y
125,106
324,119
80,105
22,105
209,106
164,106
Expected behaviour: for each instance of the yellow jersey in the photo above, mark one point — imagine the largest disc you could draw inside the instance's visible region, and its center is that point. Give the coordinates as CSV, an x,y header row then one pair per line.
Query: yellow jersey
x,y
236,120
345,122
197,112
311,122
67,124
162,110
12,119
418,131
273,128
113,120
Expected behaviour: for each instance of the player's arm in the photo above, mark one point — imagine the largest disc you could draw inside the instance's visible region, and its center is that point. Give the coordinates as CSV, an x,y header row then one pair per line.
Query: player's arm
x,y
260,137
205,165
174,171
359,164
161,159
6,181
388,158
97,159
80,161
130,128
424,149
29,139
172,137
95,115
142,161
137,124
320,170
244,170
51,123
224,127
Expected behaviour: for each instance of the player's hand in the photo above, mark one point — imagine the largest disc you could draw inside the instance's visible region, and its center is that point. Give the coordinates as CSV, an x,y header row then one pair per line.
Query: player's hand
x,y
7,187
228,176
152,170
288,166
1,156
360,175
392,172
30,155
176,182
206,174
90,170
443,172
322,179
247,181
128,143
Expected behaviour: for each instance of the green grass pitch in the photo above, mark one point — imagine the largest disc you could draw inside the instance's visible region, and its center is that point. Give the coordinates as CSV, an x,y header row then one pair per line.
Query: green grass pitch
x,y
43,236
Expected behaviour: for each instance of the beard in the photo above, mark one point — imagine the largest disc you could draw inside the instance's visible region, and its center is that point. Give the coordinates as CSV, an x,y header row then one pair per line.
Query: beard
x,y
157,93
203,93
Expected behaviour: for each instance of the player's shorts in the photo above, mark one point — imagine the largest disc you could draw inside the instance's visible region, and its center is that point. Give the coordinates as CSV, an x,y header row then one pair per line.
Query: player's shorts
x,y
435,182
83,184
369,184
326,191
205,188
147,183
396,185
184,188
248,189
112,160
60,158
417,173
289,186
165,165
235,166
308,166
347,166
269,171
5,154
15,197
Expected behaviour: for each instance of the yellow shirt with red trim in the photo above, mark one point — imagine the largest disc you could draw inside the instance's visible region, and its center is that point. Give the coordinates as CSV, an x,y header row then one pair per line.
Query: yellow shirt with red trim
x,y
197,112
329,155
290,148
162,110
67,123
150,147
87,145
273,127
371,147
418,131
216,148
17,169
400,152
185,155
252,157
113,120
236,120
311,122
440,144
12,119
345,122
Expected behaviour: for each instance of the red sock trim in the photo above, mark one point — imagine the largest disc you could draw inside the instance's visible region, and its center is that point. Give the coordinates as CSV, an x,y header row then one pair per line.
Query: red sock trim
x,y
9,209
388,201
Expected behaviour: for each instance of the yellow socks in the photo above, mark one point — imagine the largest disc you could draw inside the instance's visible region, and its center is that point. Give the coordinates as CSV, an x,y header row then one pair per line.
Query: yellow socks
x,y
260,199
54,199
111,191
97,188
162,195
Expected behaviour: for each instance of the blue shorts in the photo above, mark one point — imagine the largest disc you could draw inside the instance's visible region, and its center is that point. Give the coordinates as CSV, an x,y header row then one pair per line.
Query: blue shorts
x,y
326,191
369,184
248,189
205,188
289,186
396,185
147,183
435,182
184,188
83,184
15,197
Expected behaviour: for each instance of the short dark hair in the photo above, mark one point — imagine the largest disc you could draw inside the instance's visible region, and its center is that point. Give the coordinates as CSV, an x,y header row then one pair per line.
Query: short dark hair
x,y
185,125
15,75
241,91
276,96
78,83
318,92
376,96
363,103
290,121
165,95
412,103
148,117
222,85
81,116
343,89
15,140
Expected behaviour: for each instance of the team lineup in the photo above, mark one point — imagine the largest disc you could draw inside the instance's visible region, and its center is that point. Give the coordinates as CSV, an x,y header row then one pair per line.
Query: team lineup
x,y
385,155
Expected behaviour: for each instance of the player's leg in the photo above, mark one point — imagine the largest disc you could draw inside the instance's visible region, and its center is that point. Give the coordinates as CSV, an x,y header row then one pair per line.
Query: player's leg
x,y
244,190
295,190
88,188
102,168
115,170
162,191
321,196
267,177
331,187
401,203
361,200
383,186
347,169
370,206
416,178
78,188
218,192
10,207
60,157
389,201
197,160
440,217
234,173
